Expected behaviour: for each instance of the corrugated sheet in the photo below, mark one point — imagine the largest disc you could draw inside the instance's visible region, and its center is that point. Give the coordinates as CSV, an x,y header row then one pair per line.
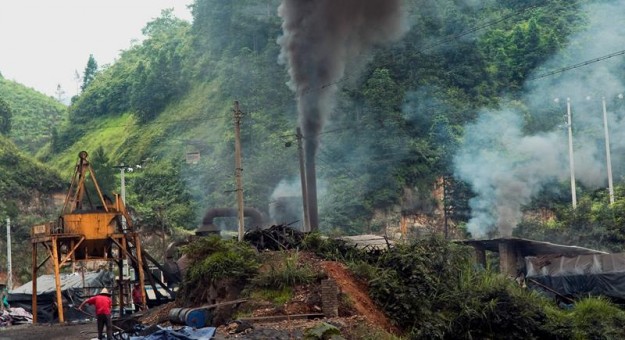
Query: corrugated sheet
x,y
46,283
531,247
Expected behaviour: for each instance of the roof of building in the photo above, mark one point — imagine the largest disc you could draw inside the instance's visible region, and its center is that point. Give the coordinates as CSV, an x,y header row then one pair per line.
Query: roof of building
x,y
46,283
531,247
368,241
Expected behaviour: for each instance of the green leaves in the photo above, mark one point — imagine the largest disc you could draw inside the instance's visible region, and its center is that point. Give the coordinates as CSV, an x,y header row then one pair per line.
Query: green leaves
x,y
90,72
213,260
5,117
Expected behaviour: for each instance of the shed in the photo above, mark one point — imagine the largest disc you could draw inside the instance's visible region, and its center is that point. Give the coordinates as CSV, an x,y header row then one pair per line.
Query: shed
x,y
74,290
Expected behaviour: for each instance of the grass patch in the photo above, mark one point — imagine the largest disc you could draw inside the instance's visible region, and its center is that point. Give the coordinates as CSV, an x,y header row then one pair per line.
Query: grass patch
x,y
288,273
275,296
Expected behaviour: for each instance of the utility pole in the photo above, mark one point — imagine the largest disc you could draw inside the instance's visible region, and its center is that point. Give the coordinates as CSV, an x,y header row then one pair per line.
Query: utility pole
x,y
9,265
238,169
122,169
446,193
302,176
607,151
571,160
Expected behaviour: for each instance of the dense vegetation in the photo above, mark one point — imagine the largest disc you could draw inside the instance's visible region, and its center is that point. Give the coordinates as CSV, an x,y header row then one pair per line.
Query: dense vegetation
x,y
398,120
393,133
34,116
26,186
431,290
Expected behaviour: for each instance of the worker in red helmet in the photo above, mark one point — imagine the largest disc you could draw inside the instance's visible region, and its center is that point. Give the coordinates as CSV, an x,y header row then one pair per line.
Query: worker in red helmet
x,y
103,305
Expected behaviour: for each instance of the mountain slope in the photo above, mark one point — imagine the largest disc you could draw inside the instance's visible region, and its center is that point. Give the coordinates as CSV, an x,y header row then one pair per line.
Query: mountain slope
x,y
35,115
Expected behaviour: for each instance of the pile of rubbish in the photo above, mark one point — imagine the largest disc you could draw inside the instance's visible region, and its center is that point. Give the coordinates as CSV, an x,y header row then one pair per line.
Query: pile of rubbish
x,y
276,237
15,316
179,333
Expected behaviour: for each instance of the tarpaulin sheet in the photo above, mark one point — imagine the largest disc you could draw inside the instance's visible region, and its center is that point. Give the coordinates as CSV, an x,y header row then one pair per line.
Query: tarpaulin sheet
x,y
609,284
72,293
557,265
184,333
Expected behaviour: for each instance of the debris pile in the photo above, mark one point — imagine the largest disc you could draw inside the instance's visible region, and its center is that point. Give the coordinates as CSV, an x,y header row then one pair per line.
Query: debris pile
x,y
276,237
15,316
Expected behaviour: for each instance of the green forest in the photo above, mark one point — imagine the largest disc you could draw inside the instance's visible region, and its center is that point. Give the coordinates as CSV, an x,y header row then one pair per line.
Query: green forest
x,y
472,94
404,114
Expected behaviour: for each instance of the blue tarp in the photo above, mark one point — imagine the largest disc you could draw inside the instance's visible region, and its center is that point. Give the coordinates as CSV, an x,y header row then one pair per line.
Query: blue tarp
x,y
184,333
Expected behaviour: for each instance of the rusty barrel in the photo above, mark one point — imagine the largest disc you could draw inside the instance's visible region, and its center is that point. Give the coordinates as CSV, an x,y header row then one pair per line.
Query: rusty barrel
x,y
193,317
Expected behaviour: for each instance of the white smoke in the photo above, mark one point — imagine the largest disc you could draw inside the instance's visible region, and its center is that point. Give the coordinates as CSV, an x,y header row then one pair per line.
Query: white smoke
x,y
508,168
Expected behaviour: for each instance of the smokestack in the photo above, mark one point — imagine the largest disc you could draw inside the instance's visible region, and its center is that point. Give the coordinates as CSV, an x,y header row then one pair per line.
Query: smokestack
x,y
311,185
320,38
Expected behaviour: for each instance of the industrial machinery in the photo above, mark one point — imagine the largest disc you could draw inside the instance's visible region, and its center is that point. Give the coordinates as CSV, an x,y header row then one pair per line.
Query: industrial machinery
x,y
88,230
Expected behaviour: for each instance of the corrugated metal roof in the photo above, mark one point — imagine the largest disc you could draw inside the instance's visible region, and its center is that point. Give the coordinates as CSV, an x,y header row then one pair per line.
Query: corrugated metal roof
x,y
371,241
531,247
46,283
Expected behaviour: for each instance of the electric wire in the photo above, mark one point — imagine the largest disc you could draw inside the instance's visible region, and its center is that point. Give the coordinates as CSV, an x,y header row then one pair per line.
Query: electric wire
x,y
578,65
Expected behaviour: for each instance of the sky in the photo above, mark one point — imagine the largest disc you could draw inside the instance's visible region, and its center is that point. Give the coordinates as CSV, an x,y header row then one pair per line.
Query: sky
x,y
44,42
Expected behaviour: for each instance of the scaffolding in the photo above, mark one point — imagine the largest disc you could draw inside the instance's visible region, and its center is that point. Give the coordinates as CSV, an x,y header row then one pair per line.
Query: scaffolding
x,y
85,232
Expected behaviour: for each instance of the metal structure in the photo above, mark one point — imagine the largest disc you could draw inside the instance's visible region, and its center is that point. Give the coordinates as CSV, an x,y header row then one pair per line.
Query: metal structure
x,y
86,231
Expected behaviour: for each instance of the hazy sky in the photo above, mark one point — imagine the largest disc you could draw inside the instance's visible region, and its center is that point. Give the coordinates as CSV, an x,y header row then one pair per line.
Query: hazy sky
x,y
43,42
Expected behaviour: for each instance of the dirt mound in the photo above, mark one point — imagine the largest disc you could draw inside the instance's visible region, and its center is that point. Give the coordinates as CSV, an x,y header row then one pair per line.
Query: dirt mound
x,y
358,292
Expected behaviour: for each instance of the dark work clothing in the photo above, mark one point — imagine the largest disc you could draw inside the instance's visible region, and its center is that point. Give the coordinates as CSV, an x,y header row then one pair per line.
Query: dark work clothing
x,y
105,319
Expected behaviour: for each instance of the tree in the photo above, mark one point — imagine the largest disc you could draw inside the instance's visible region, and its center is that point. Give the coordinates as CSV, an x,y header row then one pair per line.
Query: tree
x,y
104,172
59,93
90,71
5,117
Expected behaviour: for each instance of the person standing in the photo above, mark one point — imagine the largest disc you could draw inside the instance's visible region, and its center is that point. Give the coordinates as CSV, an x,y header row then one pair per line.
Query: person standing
x,y
137,298
103,305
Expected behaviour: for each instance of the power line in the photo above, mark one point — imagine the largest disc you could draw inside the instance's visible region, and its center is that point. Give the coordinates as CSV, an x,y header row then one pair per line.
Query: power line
x,y
582,64
475,29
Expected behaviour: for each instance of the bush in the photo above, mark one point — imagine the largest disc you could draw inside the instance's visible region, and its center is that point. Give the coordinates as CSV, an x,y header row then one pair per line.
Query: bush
x,y
597,318
212,260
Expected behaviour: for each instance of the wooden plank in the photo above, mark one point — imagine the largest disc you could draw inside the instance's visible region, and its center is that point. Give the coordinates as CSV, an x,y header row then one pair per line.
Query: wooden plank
x,y
283,317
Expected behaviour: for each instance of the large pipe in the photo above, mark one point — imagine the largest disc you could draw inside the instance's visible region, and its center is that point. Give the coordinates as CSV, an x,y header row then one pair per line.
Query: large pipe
x,y
208,227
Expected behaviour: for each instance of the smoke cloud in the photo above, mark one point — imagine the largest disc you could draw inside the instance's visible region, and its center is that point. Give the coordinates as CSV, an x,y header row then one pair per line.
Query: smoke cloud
x,y
320,38
508,168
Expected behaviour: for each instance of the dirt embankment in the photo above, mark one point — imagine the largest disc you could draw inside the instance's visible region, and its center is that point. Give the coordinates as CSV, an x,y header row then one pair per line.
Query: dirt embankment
x,y
357,291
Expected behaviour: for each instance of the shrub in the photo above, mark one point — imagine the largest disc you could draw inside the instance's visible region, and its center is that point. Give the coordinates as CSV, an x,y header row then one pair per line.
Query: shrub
x,y
597,318
212,260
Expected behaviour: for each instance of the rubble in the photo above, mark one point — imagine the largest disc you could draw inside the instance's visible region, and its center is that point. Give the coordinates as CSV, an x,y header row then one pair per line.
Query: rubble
x,y
15,316
276,237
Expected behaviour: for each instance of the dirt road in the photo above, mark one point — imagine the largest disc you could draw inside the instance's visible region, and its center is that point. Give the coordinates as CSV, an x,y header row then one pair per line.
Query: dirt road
x,y
50,332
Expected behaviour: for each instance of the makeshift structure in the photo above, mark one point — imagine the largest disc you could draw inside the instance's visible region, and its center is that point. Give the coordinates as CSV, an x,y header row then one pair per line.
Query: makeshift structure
x,y
74,289
561,271
578,276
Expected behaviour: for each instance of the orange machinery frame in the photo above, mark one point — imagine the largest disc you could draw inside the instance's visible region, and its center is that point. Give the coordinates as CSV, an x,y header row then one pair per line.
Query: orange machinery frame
x,y
83,233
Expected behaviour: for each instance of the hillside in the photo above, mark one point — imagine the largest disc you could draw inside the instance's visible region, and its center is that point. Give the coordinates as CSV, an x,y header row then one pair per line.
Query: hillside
x,y
438,123
35,115
393,125
27,188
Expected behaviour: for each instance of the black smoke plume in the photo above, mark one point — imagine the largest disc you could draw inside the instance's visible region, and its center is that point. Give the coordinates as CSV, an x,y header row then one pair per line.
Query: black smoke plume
x,y
320,38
